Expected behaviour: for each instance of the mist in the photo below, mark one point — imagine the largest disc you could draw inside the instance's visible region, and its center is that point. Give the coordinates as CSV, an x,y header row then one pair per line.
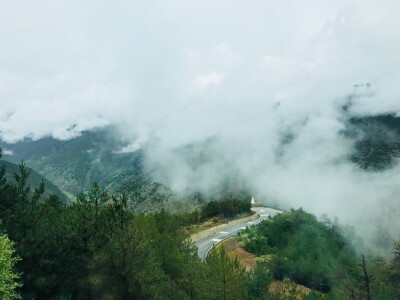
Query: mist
x,y
258,86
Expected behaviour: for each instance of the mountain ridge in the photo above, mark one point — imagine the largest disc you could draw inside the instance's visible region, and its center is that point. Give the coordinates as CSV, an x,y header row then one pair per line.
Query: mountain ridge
x,y
34,180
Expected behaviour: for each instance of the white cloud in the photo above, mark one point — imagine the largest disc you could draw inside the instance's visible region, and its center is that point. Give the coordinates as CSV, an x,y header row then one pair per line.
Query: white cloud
x,y
132,147
211,79
7,152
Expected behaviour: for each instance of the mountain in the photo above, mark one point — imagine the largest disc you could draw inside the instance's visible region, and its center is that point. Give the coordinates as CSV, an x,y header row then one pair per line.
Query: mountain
x,y
74,165
34,180
377,141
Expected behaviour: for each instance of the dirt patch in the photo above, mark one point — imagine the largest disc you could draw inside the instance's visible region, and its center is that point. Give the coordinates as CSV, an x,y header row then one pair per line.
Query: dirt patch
x,y
286,289
232,248
248,260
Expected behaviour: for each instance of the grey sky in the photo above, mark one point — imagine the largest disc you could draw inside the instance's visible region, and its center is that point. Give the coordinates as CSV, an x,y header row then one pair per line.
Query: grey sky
x,y
198,65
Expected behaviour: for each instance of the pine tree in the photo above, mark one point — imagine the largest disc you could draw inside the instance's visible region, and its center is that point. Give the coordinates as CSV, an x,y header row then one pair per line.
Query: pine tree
x,y
224,277
8,276
360,281
258,281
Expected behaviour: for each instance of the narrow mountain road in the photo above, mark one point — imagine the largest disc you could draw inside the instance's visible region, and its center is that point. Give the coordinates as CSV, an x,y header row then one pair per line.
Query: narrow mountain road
x,y
205,245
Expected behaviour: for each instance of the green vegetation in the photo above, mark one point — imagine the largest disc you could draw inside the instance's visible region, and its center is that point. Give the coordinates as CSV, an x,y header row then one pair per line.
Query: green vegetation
x,y
258,281
96,248
34,180
225,278
227,208
295,246
74,165
211,214
377,140
301,248
8,277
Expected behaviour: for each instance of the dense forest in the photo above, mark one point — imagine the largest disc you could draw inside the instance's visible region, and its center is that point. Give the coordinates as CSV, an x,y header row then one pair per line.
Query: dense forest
x,y
96,249
295,246
377,140
227,208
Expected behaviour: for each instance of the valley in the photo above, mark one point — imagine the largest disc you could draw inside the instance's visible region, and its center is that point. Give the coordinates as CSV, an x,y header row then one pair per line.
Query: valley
x,y
200,150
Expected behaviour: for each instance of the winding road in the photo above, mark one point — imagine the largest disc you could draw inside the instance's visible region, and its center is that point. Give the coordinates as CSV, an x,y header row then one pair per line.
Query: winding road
x,y
205,245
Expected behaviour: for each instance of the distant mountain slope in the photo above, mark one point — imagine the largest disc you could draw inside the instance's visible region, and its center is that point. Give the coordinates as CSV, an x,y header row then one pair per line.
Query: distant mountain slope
x,y
74,165
377,141
34,180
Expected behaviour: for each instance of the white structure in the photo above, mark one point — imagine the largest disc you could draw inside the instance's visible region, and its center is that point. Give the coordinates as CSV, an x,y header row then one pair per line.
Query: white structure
x,y
252,200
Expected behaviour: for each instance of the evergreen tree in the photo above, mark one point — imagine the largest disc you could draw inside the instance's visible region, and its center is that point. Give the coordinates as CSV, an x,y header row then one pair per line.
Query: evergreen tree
x,y
8,277
224,277
360,281
258,281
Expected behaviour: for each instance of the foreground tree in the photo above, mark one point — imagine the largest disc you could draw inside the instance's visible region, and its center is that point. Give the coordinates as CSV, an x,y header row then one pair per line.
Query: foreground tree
x,y
8,277
393,269
360,281
97,249
258,281
396,255
225,278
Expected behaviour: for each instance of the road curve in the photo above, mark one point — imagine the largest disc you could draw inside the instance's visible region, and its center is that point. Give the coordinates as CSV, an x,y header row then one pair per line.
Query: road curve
x,y
206,244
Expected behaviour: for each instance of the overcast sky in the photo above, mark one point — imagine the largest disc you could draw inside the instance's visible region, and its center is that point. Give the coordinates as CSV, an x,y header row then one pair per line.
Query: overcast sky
x,y
180,71
189,69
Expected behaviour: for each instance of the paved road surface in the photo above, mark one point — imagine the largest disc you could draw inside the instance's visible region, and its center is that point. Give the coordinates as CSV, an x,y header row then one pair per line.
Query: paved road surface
x,y
206,244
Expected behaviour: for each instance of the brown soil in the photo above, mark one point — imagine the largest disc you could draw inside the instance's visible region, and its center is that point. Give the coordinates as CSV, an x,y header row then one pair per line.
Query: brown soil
x,y
232,248
289,289
248,260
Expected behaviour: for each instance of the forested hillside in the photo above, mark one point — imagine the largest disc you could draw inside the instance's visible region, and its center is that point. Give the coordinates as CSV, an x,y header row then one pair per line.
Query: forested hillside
x,y
172,149
74,165
377,141
95,156
96,248
34,180
295,246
